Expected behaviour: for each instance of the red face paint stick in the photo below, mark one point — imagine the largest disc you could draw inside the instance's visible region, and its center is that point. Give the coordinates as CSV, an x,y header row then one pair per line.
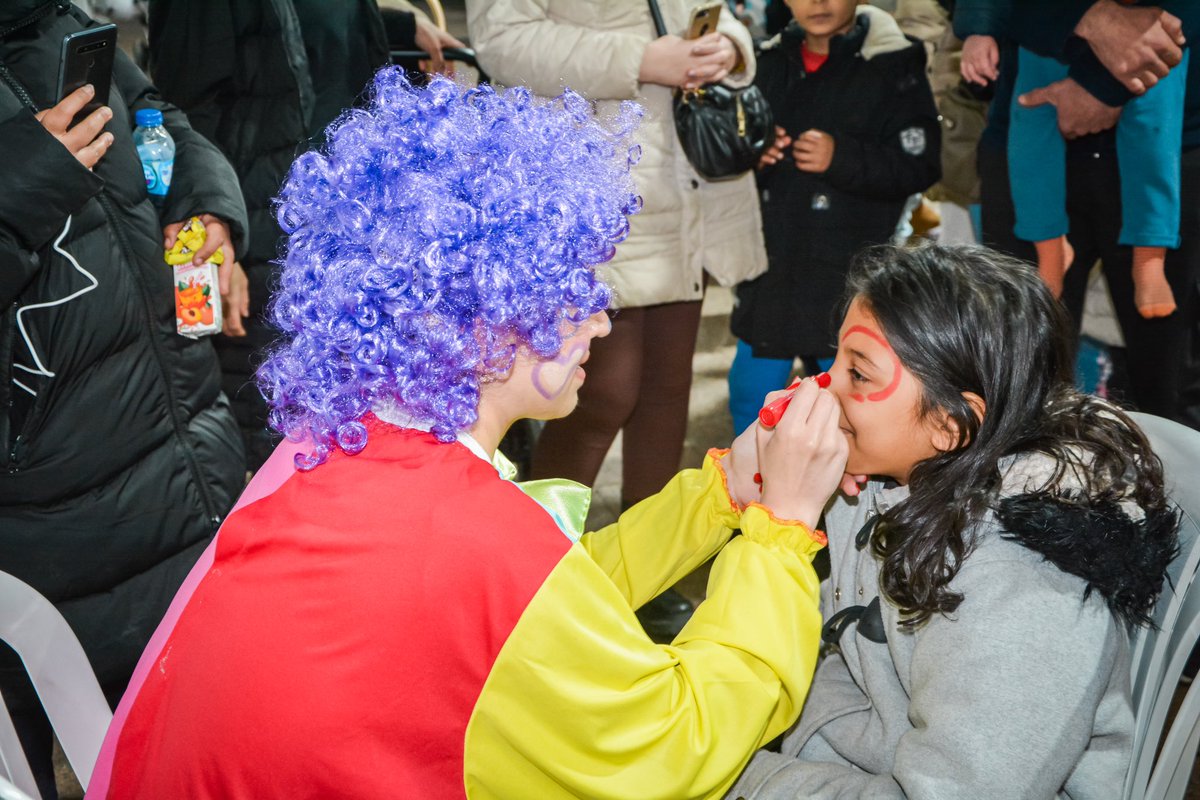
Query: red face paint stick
x,y
772,412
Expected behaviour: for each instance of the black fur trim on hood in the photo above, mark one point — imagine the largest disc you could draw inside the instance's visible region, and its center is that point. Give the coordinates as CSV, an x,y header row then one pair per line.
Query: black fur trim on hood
x,y
1122,559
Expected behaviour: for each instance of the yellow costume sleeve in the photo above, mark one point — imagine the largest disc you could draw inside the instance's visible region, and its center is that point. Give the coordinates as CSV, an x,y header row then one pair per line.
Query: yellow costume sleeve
x,y
581,704
667,536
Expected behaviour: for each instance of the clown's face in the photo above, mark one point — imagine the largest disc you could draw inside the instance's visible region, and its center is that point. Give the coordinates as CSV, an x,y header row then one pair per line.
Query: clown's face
x,y
549,387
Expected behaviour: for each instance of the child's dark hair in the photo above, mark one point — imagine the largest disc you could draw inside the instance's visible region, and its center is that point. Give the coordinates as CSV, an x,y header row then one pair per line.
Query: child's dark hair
x,y
967,319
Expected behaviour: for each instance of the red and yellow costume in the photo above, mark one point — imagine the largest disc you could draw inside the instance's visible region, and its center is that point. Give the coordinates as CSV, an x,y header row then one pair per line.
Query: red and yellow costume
x,y
407,623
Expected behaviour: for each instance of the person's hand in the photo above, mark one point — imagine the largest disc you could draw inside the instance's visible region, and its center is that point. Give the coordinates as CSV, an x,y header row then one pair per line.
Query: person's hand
x,y
87,141
218,236
775,151
687,63
1079,112
237,302
802,459
741,467
980,59
1137,44
813,151
432,39
852,484
714,57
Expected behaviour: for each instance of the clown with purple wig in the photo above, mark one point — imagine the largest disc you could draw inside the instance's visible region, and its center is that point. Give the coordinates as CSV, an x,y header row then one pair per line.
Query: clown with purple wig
x,y
385,612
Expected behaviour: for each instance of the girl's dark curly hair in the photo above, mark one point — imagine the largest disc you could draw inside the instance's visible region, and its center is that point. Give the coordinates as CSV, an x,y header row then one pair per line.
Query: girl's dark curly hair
x,y
967,319
437,230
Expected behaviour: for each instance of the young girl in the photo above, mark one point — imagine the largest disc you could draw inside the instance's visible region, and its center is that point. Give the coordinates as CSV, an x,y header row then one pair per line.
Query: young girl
x,y
984,582
384,613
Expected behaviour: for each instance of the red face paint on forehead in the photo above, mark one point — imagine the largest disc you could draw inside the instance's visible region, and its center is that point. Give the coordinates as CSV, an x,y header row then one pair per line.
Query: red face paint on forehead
x,y
887,391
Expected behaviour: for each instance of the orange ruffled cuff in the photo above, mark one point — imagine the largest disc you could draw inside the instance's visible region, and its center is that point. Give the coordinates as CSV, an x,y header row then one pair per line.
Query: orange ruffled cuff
x,y
716,454
814,535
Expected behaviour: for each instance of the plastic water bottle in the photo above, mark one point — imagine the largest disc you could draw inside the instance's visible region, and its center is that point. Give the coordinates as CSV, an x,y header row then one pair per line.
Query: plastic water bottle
x,y
156,148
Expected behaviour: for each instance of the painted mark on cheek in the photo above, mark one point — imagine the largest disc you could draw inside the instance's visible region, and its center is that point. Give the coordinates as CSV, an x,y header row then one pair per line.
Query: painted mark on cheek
x,y
889,390
552,376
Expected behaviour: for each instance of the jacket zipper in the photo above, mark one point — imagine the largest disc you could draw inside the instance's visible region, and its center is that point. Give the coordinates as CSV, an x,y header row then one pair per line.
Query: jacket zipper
x,y
160,360
11,81
18,89
147,307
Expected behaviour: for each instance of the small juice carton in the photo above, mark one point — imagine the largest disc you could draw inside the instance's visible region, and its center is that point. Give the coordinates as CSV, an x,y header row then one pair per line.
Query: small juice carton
x,y
197,292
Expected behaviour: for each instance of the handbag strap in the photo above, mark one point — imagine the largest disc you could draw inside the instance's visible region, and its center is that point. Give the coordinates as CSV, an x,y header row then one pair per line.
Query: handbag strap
x,y
656,15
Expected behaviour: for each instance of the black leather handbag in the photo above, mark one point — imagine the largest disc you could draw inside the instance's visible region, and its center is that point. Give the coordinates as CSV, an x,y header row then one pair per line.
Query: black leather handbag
x,y
723,131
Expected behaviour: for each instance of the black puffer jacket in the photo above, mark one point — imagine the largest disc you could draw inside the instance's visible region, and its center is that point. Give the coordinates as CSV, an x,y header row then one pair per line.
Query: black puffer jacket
x,y
873,98
118,470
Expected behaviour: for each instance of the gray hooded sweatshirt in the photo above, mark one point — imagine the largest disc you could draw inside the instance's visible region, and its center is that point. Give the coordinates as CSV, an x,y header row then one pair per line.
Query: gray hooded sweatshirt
x,y
1022,692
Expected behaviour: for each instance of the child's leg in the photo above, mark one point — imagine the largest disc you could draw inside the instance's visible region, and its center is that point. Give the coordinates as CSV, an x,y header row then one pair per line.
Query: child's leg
x,y
1037,169
1054,259
750,379
1149,137
1151,293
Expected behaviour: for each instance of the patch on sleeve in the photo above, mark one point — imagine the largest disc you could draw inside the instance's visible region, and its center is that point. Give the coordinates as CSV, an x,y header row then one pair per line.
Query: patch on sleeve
x,y
913,140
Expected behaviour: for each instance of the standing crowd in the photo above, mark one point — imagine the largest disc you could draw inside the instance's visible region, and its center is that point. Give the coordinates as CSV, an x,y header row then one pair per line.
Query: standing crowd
x,y
299,563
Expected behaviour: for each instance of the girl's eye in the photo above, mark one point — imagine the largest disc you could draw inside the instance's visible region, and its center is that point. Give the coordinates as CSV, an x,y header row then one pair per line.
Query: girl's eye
x,y
857,376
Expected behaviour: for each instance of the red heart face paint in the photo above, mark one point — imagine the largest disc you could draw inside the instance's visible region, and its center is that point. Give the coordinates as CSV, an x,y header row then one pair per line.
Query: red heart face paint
x,y
885,438
897,371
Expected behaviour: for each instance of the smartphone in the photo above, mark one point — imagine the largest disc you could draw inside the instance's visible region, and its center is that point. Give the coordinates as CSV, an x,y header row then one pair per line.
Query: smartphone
x,y
704,20
87,57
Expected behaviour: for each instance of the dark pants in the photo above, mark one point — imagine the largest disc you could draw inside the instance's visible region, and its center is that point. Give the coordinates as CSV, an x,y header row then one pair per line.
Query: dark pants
x,y
639,379
1156,349
240,359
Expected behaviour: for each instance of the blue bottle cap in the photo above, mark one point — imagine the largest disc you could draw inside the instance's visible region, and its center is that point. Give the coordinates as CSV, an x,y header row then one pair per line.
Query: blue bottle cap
x,y
148,117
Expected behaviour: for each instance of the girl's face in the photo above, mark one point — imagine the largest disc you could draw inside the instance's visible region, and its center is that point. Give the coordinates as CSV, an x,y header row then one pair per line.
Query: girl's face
x,y
880,402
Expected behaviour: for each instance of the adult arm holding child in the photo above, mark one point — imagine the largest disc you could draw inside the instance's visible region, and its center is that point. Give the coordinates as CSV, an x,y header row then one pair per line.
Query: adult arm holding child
x,y
1113,51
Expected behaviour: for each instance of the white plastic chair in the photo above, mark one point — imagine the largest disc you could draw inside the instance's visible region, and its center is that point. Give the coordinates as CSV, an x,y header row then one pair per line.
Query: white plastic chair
x,y
1159,655
64,681
10,792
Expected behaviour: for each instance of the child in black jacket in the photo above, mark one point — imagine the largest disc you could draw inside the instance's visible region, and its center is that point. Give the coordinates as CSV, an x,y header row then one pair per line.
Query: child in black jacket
x,y
858,134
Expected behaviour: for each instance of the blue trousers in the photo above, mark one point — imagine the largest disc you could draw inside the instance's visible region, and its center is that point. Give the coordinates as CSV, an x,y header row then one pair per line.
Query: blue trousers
x,y
1149,148
751,378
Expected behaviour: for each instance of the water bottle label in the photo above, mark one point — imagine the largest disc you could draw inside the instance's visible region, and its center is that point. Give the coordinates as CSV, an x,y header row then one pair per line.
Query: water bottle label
x,y
158,176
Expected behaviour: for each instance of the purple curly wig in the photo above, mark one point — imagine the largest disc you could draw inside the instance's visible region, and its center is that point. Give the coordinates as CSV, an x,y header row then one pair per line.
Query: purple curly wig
x,y
439,229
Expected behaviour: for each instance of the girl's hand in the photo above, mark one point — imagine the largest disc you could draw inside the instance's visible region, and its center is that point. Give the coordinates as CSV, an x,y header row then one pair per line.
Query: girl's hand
x,y
980,60
741,466
803,458
852,484
87,141
687,63
774,152
813,151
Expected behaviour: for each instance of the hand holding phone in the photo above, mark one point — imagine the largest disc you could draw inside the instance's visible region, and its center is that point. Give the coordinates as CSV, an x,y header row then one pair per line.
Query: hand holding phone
x,y
87,140
87,58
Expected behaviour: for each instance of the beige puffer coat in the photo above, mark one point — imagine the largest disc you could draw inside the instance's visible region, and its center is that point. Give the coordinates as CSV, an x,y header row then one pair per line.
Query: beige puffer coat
x,y
687,225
